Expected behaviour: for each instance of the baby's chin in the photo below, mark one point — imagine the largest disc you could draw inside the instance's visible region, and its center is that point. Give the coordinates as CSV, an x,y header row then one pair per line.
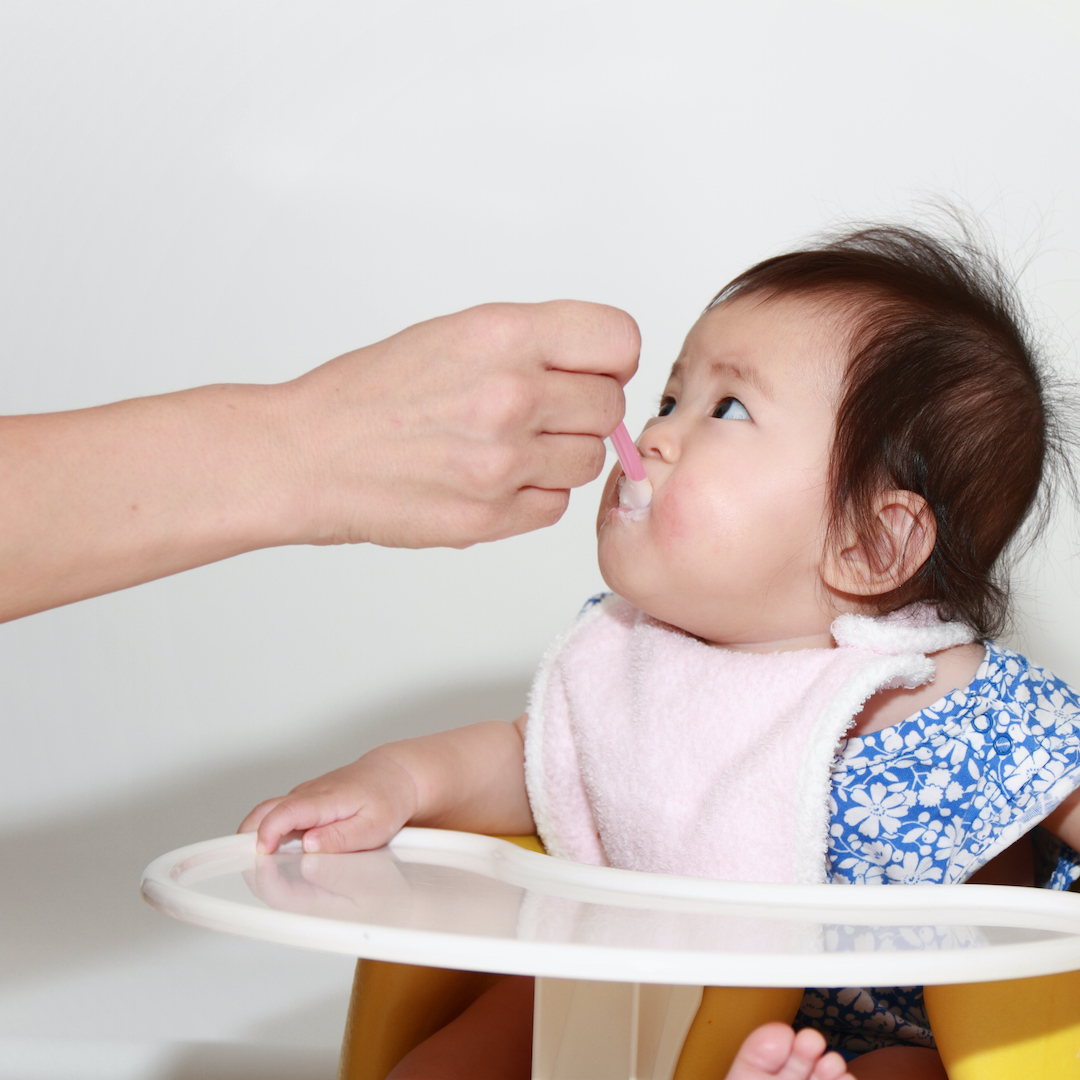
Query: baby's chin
x,y
627,578
627,553
627,574
611,569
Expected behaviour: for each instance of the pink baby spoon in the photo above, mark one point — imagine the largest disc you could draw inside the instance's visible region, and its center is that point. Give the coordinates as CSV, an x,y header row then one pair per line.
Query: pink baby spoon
x,y
635,491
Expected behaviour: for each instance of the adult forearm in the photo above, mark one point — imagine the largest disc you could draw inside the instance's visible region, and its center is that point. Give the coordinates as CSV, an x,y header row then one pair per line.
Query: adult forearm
x,y
466,428
100,499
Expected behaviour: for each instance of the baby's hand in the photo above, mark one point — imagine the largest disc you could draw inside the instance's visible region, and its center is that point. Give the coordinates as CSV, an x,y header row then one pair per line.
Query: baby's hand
x,y
358,807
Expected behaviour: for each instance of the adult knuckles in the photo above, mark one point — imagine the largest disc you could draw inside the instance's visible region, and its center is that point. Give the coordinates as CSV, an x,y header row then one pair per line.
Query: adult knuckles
x,y
535,508
522,327
552,508
483,521
572,461
505,402
593,457
524,510
613,405
480,521
620,335
489,471
612,334
626,337
507,347
494,329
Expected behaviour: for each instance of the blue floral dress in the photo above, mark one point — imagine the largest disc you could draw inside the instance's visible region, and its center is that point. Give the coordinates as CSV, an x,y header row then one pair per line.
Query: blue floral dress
x,y
934,798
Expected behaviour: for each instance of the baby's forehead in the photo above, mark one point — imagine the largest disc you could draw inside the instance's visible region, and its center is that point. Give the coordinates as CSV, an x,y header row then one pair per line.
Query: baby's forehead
x,y
769,343
696,363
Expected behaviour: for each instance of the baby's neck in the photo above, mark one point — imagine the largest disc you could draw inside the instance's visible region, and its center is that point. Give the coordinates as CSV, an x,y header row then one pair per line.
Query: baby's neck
x,y
793,644
954,669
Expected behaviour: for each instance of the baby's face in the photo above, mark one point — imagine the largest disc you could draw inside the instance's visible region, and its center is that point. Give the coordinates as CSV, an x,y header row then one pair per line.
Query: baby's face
x,y
731,549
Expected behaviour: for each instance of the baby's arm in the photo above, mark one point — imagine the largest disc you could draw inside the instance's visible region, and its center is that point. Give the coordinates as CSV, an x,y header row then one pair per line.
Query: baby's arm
x,y
471,778
1064,822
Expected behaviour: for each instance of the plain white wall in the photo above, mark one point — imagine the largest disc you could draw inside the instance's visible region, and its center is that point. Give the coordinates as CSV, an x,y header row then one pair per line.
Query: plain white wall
x,y
237,191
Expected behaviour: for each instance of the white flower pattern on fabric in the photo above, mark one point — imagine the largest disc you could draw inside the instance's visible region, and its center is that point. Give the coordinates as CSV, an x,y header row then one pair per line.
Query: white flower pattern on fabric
x,y
882,808
931,800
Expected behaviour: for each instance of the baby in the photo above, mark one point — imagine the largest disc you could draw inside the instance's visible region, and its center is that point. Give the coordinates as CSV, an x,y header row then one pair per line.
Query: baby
x,y
847,443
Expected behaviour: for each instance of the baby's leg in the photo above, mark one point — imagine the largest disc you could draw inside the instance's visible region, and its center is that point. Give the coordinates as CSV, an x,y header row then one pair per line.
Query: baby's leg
x,y
490,1040
899,1063
775,1052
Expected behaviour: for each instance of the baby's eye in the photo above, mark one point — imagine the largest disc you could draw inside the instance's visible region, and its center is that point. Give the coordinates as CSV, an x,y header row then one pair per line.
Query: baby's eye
x,y
730,409
666,405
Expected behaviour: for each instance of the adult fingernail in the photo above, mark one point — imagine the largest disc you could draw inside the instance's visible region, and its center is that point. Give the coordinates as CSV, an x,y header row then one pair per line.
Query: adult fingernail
x,y
312,844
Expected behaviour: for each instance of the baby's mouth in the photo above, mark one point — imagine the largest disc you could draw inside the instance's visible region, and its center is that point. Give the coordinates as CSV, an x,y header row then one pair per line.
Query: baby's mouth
x,y
635,498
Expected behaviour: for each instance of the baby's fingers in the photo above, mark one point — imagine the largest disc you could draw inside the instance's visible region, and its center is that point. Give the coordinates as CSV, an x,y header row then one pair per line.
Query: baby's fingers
x,y
254,819
295,813
361,832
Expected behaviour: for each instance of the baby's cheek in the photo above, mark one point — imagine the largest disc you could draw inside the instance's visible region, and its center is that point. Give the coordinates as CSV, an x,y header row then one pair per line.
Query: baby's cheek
x,y
696,524
676,512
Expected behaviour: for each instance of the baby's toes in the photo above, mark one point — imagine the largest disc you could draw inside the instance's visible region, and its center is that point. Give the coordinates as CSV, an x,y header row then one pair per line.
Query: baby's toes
x,y
775,1052
831,1067
808,1060
764,1053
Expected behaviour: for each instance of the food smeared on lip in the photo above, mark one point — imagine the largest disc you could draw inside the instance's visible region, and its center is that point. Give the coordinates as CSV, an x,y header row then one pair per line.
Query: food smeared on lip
x,y
635,495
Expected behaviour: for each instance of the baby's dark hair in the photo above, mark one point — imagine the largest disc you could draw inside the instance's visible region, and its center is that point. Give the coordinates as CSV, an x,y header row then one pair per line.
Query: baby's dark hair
x,y
945,395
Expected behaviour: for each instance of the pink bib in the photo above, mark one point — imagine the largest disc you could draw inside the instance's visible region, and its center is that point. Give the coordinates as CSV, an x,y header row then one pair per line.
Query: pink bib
x,y
648,749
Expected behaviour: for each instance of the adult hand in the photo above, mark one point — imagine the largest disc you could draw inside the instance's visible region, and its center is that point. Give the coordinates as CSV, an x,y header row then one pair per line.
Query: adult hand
x,y
465,428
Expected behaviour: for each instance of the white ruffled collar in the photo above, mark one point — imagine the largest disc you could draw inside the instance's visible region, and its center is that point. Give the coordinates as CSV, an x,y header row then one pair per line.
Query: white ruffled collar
x,y
916,628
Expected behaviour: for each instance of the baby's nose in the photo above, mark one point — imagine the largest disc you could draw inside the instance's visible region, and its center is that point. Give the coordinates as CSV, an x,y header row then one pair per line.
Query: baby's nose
x,y
661,440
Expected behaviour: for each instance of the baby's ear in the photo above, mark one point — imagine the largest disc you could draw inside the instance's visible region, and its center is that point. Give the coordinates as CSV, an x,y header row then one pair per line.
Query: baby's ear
x,y
904,533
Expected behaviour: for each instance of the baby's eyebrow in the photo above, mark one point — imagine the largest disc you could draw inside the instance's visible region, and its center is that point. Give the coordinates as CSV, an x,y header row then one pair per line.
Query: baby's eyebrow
x,y
749,375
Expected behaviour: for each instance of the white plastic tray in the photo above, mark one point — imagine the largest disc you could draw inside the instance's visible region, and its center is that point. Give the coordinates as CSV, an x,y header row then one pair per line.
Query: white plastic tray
x,y
458,900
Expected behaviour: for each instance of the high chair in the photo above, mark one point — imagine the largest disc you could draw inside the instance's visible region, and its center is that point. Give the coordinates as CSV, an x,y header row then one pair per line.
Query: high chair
x,y
621,957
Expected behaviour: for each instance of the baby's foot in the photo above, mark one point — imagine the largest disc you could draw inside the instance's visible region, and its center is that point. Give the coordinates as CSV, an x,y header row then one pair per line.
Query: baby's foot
x,y
776,1051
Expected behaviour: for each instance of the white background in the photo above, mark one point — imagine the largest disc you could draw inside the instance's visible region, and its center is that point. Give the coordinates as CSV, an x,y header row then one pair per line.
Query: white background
x,y
206,192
